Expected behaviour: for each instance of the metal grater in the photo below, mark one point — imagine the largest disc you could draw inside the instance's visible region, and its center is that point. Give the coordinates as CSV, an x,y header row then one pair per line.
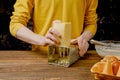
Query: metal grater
x,y
62,56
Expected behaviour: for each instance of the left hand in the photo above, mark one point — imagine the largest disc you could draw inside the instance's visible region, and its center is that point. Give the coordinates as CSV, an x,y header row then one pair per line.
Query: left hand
x,y
82,43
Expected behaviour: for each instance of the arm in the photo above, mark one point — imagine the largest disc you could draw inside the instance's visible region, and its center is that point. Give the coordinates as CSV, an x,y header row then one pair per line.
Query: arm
x,y
28,36
21,15
91,17
90,27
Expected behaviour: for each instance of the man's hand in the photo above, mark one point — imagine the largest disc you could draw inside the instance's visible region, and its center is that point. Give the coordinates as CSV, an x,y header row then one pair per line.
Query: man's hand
x,y
53,35
82,45
82,42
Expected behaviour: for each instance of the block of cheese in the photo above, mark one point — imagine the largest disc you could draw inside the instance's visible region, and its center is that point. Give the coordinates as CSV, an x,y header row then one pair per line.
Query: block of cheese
x,y
65,30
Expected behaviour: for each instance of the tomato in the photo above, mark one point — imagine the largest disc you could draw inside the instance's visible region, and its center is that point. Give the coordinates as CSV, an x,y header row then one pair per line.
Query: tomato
x,y
115,67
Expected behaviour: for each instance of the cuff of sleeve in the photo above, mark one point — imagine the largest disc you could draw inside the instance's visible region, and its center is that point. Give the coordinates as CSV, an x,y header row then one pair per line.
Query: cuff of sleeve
x,y
14,28
91,28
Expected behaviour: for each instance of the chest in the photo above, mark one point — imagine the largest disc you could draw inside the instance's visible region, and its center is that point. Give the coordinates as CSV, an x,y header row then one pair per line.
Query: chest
x,y
60,3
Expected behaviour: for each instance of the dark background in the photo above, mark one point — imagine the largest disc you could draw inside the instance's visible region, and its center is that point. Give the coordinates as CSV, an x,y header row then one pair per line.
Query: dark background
x,y
108,24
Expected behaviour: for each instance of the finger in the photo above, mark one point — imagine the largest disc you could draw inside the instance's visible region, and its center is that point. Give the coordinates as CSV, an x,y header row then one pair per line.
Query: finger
x,y
83,49
82,52
56,21
54,32
51,37
81,45
49,42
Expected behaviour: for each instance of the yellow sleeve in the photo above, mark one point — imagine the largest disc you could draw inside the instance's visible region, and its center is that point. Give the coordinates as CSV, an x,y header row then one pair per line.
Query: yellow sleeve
x,y
21,15
91,16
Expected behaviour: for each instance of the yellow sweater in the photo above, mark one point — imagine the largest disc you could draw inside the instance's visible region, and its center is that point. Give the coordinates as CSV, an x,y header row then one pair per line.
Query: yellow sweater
x,y
81,13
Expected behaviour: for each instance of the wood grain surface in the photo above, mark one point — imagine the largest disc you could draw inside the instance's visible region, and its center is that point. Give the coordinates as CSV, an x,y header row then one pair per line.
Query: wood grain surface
x,y
31,65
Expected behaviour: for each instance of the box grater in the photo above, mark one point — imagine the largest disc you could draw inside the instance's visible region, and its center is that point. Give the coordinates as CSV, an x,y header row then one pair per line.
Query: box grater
x,y
62,56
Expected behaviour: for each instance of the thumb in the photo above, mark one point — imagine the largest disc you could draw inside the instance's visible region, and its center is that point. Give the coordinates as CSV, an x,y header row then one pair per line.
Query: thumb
x,y
73,42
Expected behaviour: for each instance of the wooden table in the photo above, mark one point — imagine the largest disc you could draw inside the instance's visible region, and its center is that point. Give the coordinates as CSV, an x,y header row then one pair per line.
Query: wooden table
x,y
31,65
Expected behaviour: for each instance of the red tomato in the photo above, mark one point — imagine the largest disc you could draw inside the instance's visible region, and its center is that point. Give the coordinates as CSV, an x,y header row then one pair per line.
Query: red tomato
x,y
115,67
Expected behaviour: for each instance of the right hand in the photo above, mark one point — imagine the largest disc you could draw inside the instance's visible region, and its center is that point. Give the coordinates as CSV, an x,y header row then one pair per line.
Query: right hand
x,y
52,37
26,35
